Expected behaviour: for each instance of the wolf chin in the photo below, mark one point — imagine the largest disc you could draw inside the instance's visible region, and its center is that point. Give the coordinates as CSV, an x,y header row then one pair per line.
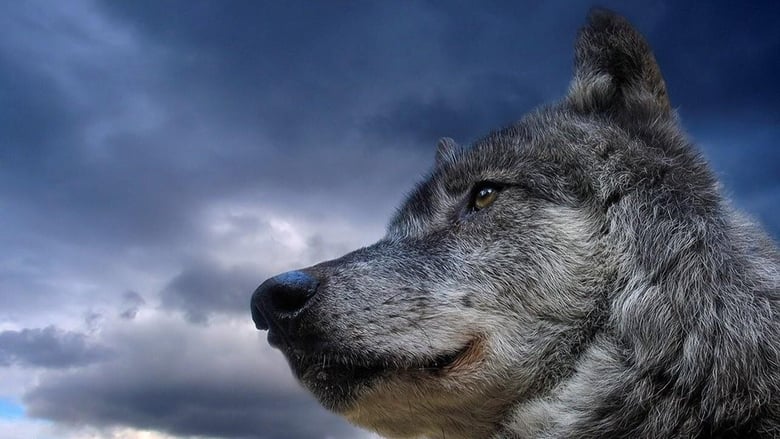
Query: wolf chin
x,y
576,275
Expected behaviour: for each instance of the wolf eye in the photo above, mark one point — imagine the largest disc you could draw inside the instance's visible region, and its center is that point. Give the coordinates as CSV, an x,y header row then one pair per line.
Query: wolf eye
x,y
484,197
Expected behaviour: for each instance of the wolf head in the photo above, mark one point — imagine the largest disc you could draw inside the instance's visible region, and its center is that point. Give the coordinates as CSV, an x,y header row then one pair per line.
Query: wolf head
x,y
502,267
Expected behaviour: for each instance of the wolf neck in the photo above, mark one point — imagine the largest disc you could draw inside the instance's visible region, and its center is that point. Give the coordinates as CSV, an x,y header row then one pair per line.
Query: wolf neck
x,y
572,401
693,324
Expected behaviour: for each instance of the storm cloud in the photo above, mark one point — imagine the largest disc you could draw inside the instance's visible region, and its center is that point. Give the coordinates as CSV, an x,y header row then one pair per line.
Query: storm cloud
x,y
158,160
204,289
49,347
168,376
132,302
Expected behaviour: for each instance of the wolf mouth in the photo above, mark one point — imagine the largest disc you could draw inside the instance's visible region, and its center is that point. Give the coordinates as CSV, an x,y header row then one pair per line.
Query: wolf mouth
x,y
330,370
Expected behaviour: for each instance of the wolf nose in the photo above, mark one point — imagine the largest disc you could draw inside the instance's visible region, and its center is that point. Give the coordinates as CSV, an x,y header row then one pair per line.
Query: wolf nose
x,y
279,297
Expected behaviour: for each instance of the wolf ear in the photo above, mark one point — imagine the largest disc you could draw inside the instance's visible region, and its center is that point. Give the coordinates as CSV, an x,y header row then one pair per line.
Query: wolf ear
x,y
615,68
446,150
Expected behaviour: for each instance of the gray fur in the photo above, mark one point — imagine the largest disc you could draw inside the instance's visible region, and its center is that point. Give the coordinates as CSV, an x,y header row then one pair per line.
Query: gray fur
x,y
610,291
446,151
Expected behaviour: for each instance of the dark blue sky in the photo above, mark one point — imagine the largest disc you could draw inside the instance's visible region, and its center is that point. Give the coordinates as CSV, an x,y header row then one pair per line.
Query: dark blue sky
x,y
159,159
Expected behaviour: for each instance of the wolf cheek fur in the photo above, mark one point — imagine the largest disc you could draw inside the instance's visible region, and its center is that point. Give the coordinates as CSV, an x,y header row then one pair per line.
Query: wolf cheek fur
x,y
607,290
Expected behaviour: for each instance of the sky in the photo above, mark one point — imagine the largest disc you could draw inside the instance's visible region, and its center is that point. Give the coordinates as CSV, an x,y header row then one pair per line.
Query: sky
x,y
159,160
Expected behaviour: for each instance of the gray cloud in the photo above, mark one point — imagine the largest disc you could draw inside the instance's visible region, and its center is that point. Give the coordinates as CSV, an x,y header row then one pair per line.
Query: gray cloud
x,y
215,407
488,102
168,377
189,111
131,303
206,288
203,289
49,347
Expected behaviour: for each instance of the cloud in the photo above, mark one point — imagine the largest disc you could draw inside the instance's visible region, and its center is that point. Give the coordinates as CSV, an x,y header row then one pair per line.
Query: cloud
x,y
204,289
727,54
241,245
49,347
131,303
485,103
172,377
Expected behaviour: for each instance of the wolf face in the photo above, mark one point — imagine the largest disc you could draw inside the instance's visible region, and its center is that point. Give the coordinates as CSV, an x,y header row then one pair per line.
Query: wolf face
x,y
559,277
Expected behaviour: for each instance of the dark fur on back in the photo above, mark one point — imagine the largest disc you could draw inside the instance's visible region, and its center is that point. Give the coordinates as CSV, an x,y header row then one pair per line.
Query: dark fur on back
x,y
609,290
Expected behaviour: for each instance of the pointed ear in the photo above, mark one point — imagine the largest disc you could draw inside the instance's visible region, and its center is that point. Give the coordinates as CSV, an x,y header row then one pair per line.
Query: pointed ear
x,y
615,68
446,150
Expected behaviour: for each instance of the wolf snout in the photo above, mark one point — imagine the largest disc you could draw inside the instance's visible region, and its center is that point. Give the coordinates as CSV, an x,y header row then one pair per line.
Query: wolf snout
x,y
277,300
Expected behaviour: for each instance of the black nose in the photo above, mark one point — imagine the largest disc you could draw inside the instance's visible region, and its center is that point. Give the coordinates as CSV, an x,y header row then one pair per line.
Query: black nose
x,y
280,297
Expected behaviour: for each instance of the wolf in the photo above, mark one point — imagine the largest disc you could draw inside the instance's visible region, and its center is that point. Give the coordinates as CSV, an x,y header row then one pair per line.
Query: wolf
x,y
578,274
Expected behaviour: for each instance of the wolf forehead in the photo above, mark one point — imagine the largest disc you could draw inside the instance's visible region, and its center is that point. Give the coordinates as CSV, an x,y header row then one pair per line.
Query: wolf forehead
x,y
558,154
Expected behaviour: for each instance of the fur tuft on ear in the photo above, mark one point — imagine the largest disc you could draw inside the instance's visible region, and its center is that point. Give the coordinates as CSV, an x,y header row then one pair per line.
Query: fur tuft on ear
x,y
446,150
615,68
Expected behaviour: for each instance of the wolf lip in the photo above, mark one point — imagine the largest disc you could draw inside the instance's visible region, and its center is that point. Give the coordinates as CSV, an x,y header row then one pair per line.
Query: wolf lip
x,y
328,367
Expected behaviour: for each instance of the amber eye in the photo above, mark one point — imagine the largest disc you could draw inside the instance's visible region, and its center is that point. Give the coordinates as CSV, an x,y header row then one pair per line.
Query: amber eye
x,y
484,197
